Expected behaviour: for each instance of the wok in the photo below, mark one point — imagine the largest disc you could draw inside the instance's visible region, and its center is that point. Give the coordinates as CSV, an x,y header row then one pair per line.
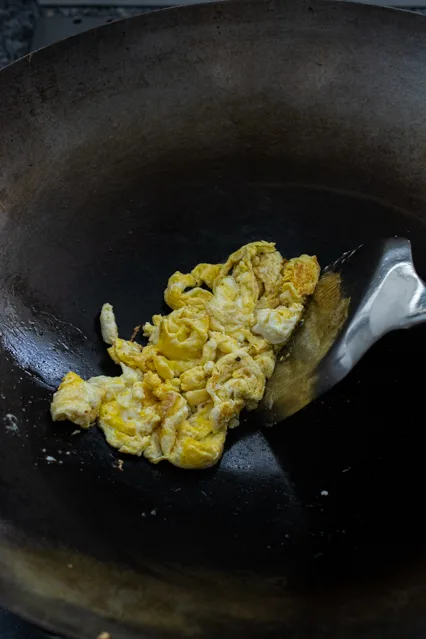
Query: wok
x,y
147,146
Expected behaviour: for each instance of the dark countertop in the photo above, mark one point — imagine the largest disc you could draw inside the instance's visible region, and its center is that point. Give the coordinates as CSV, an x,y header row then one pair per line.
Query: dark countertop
x,y
18,20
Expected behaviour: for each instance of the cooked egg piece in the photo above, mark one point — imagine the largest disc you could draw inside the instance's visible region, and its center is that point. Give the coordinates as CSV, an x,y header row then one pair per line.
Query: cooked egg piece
x,y
76,400
183,334
128,416
235,379
197,444
300,277
268,269
191,453
277,324
109,327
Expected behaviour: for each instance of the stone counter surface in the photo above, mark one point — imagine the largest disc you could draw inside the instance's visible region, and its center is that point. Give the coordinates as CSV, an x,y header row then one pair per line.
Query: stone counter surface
x,y
18,19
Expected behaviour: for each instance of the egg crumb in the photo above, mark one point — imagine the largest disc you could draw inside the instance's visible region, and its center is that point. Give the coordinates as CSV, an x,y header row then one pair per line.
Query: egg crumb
x,y
205,361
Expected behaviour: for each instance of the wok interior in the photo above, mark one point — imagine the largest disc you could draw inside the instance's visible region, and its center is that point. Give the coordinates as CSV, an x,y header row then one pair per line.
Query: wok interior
x,y
261,509
108,218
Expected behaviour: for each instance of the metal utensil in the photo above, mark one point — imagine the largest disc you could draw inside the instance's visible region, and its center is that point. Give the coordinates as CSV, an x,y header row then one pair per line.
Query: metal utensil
x,y
365,294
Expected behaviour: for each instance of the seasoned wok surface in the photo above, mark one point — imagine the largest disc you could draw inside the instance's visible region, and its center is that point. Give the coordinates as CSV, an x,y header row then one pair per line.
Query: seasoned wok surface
x,y
190,143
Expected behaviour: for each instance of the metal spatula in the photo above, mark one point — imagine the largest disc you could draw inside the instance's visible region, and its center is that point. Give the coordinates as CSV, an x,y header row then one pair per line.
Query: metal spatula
x,y
365,294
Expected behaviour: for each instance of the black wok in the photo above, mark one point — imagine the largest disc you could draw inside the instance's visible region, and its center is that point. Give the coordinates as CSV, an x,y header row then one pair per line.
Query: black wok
x,y
147,146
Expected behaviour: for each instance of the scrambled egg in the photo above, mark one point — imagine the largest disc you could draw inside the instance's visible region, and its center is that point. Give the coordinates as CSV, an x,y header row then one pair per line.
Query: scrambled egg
x,y
204,362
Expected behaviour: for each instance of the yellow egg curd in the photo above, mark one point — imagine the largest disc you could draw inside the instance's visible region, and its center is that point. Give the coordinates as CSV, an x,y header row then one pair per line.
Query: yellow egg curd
x,y
204,362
